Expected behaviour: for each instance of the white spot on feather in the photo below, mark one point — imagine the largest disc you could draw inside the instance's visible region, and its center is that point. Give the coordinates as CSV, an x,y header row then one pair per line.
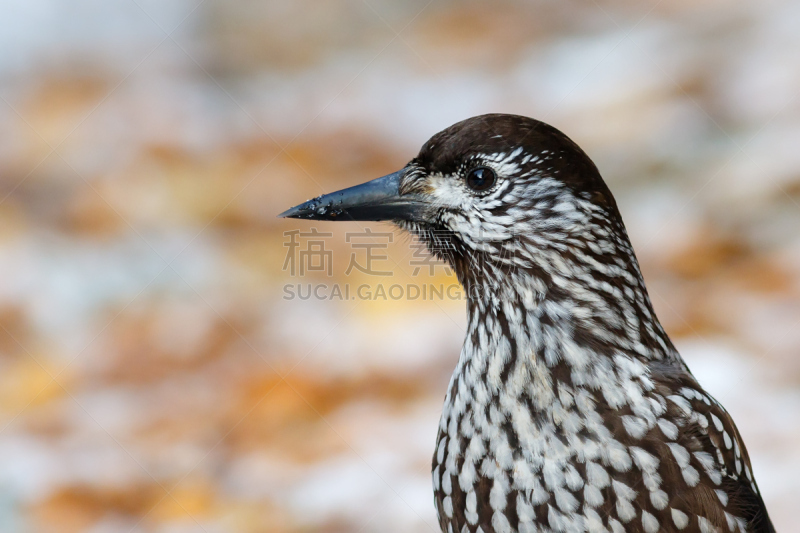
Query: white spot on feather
x,y
669,429
447,503
659,499
649,522
706,526
679,518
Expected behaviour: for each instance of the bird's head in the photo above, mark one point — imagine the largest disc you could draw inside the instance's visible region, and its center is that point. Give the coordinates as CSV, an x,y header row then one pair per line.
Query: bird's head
x,y
522,215
494,192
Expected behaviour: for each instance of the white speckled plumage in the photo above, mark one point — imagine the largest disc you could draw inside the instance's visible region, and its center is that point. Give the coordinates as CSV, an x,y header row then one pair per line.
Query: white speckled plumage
x,y
569,408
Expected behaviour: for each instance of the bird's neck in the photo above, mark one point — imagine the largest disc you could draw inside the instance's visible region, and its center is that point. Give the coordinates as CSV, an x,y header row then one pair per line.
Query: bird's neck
x,y
542,333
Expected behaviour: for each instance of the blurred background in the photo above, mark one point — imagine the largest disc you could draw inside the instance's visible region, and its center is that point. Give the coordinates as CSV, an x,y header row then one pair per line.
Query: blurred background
x,y
155,374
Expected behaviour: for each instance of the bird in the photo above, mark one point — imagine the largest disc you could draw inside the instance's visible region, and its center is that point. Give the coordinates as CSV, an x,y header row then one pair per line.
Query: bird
x,y
569,409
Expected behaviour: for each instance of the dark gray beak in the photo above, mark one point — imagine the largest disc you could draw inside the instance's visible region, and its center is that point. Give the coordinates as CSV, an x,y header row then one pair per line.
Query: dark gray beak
x,y
378,199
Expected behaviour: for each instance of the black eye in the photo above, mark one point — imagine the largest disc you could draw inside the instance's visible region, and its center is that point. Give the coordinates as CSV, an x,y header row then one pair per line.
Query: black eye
x,y
481,178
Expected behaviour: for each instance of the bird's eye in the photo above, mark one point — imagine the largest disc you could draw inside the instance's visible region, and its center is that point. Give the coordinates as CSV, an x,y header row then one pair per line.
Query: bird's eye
x,y
481,178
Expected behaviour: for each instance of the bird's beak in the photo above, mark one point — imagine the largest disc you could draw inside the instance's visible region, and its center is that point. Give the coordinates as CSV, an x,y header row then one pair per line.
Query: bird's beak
x,y
378,199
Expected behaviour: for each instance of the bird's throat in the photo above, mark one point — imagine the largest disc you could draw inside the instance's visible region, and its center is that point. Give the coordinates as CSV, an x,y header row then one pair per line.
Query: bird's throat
x,y
528,337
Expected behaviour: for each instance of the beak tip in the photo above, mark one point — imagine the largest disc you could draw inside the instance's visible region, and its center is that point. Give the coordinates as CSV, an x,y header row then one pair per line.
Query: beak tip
x,y
288,213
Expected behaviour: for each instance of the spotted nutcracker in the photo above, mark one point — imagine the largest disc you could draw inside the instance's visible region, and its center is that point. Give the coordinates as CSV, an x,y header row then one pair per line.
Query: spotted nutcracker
x,y
570,408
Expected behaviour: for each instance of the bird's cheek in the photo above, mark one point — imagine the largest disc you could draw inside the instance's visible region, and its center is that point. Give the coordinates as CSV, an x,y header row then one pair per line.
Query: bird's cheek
x,y
447,192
